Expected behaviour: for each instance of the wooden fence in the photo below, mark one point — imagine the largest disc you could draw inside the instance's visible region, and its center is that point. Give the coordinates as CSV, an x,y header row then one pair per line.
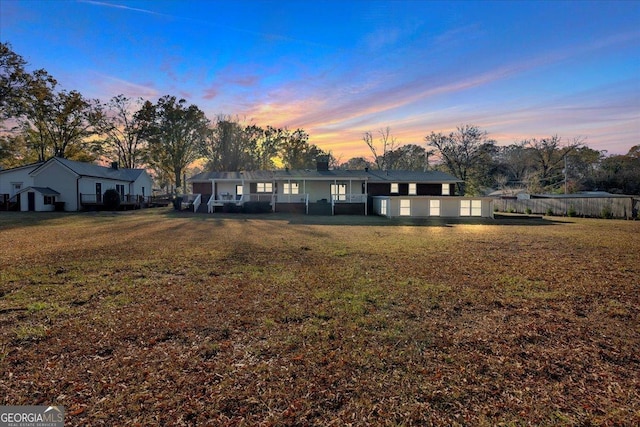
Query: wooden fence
x,y
597,207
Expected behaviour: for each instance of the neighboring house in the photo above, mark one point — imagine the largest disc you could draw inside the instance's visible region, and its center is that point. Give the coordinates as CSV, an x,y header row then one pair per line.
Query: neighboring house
x,y
69,185
330,192
12,182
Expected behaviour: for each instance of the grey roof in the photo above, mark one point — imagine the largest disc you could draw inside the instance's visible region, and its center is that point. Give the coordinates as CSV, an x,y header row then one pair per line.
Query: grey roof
x,y
410,176
313,174
42,190
234,176
97,171
31,165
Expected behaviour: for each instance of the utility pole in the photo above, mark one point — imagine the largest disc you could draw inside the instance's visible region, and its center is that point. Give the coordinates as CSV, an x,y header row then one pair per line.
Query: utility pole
x,y
565,173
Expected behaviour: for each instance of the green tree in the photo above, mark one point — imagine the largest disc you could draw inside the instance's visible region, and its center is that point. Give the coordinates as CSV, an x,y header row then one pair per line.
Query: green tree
x,y
464,153
270,141
408,157
296,151
231,145
174,133
14,81
356,163
549,157
58,123
620,173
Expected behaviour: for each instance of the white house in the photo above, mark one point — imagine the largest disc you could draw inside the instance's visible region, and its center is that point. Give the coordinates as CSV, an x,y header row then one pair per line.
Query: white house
x,y
13,181
323,191
71,186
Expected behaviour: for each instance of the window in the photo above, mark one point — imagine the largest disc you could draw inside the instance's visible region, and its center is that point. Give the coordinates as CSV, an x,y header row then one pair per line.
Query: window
x,y
405,207
470,207
291,188
120,190
412,189
15,187
384,203
445,190
434,207
476,208
394,187
339,191
264,187
48,200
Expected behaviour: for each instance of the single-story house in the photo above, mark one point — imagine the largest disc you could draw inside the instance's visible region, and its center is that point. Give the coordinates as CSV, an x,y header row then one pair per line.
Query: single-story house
x,y
322,191
71,186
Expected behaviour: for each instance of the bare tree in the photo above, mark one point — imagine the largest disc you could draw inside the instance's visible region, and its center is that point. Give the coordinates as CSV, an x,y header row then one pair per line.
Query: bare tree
x,y
122,129
380,150
549,156
463,152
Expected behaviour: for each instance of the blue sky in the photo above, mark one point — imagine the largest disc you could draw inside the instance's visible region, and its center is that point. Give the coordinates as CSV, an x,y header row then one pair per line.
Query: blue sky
x,y
337,69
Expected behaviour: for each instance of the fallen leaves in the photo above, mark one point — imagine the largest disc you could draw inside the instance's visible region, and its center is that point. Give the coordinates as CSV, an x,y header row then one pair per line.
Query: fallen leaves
x,y
154,319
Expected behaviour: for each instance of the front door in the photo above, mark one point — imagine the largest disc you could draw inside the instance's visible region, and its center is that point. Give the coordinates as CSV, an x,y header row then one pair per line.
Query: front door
x,y
98,192
31,200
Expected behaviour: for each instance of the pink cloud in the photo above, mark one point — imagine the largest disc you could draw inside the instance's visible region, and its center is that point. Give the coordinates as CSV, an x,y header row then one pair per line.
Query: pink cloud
x,y
211,92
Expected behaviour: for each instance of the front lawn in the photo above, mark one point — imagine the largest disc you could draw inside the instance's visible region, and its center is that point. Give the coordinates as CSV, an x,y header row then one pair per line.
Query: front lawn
x,y
161,318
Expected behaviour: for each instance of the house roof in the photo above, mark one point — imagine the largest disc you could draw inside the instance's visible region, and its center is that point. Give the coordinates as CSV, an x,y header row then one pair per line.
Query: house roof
x,y
313,174
410,176
31,165
93,170
46,191
233,176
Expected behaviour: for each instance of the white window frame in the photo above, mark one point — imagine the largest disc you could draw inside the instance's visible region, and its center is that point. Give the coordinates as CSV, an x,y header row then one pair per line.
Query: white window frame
x,y
15,188
384,206
339,192
394,188
470,207
264,187
446,190
291,188
405,207
413,189
476,208
434,207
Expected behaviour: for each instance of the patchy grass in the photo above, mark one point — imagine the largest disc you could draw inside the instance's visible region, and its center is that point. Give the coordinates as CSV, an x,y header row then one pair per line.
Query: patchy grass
x,y
161,318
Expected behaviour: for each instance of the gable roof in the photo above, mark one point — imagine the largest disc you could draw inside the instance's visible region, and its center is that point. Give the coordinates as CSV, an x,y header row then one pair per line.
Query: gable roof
x,y
46,191
31,165
93,170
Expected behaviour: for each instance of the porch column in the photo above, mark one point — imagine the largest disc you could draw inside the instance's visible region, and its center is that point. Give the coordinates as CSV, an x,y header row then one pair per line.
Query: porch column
x,y
350,192
213,195
366,197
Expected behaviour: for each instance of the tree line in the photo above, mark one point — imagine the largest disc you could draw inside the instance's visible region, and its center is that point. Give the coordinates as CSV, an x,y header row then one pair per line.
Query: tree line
x,y
545,165
40,120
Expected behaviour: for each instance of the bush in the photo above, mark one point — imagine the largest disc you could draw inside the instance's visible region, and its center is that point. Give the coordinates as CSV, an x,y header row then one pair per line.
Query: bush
x,y
527,211
571,212
257,207
606,213
549,212
111,199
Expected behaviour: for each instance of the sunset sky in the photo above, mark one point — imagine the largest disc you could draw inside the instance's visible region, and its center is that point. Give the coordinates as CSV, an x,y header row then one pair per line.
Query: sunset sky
x,y
337,69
